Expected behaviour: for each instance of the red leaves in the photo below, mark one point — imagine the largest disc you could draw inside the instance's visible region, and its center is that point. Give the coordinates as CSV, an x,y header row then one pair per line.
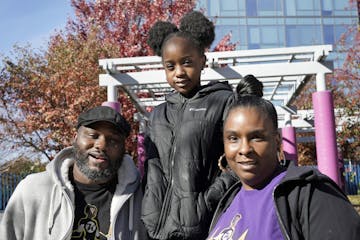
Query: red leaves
x,y
225,44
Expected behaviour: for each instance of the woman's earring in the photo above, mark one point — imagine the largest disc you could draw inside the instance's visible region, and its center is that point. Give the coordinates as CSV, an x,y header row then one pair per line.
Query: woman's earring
x,y
222,163
281,158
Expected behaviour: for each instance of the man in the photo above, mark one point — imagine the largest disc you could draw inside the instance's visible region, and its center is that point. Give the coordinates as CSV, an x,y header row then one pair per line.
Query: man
x,y
89,191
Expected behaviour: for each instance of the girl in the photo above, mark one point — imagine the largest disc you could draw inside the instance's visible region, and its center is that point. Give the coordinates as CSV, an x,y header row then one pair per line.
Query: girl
x,y
184,141
269,201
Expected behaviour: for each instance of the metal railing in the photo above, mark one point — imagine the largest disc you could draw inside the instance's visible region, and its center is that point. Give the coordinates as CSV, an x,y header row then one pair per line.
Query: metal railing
x,y
8,183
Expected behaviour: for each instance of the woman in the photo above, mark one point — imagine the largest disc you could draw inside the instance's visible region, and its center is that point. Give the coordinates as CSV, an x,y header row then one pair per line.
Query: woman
x,y
182,182
270,201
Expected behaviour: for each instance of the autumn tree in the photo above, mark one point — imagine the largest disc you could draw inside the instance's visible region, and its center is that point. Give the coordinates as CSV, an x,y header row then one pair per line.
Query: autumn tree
x,y
347,92
41,94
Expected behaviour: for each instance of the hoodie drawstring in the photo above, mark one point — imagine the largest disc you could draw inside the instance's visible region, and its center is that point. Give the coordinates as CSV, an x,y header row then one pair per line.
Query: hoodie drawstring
x,y
51,209
131,216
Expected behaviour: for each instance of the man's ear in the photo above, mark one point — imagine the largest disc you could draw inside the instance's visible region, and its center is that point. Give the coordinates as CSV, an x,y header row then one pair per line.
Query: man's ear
x,y
75,136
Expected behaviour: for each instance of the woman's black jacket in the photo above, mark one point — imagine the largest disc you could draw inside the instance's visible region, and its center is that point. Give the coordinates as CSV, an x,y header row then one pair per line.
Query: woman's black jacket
x,y
184,142
309,206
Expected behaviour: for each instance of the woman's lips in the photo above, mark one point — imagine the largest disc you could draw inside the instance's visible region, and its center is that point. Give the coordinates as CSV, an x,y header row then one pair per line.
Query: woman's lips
x,y
247,165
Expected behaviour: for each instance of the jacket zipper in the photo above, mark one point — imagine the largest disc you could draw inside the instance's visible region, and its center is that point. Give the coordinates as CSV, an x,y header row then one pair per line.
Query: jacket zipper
x,y
287,237
166,208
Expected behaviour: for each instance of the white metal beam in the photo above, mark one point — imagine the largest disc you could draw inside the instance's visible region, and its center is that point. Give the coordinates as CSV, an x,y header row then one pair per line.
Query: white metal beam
x,y
282,71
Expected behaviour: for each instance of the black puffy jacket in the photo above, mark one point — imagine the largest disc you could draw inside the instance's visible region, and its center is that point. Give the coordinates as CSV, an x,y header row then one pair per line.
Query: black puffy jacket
x,y
182,182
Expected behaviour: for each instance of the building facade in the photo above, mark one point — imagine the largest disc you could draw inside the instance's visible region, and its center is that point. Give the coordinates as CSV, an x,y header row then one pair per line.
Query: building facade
x,y
258,24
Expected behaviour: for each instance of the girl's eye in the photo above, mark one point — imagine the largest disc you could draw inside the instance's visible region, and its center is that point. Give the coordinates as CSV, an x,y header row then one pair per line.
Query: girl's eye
x,y
232,138
187,62
169,66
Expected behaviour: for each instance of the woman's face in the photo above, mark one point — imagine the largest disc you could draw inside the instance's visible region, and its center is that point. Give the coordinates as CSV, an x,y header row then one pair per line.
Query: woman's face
x,y
183,65
251,146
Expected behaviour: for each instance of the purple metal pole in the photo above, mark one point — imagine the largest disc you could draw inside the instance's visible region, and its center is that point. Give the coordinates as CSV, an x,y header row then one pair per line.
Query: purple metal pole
x,y
325,134
141,153
114,105
289,143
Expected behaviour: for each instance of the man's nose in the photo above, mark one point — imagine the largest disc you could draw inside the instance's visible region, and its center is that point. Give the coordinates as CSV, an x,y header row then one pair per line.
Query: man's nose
x,y
100,143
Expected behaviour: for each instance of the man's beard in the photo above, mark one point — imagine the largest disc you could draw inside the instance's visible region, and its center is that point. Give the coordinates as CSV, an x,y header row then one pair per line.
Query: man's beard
x,y
82,162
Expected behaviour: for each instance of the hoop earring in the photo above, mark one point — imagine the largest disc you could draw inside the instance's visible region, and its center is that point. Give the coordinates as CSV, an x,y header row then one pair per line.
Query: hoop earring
x,y
222,163
281,158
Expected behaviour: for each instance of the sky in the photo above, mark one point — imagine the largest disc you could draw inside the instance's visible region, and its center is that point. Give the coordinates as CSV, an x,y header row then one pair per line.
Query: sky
x,y
31,21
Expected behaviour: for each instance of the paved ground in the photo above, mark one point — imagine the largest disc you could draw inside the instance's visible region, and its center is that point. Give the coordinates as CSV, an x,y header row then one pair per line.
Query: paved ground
x,y
1,213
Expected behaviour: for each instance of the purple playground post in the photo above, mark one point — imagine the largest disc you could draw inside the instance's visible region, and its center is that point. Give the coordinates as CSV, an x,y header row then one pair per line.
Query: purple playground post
x,y
325,135
289,143
114,105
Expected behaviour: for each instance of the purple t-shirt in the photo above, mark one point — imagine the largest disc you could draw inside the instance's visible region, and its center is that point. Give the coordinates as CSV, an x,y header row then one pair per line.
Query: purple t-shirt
x,y
251,216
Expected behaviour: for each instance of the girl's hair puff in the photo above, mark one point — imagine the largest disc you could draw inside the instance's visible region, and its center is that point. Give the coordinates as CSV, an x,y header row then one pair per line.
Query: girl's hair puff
x,y
199,28
193,26
158,33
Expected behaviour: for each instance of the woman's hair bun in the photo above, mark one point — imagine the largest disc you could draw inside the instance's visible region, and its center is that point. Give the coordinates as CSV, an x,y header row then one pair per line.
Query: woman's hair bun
x,y
157,34
199,27
249,85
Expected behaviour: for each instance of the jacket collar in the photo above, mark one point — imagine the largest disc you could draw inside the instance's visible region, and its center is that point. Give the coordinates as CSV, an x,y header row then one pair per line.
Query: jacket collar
x,y
213,86
128,174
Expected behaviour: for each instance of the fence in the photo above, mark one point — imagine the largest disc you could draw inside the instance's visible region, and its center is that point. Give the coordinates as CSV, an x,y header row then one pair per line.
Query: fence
x,y
352,178
8,182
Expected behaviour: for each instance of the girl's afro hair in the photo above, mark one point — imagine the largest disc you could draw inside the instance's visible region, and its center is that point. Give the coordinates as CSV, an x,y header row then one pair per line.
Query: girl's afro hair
x,y
199,27
193,25
158,33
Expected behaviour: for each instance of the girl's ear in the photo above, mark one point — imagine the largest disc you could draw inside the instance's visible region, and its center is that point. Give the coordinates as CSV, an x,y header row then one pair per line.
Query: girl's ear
x,y
203,62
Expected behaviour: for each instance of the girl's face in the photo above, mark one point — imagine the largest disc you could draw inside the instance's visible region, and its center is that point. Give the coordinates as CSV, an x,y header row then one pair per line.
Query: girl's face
x,y
183,65
251,145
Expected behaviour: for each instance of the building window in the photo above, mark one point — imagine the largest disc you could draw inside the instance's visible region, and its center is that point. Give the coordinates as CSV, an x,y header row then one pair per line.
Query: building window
x,y
265,37
254,37
328,34
269,8
298,35
229,8
290,8
327,7
251,8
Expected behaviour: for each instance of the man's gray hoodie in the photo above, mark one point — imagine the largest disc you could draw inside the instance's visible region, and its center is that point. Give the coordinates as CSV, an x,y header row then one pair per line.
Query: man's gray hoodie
x,y
42,206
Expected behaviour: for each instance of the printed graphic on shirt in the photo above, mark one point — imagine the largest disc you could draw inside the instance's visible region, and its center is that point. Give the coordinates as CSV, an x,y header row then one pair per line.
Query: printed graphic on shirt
x,y
88,226
228,232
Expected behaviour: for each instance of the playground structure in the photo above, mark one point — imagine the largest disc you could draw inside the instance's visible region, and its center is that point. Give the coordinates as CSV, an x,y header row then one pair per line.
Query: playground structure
x,y
283,72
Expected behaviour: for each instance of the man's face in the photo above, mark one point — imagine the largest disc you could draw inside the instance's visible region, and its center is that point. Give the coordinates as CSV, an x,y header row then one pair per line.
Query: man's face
x,y
99,149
